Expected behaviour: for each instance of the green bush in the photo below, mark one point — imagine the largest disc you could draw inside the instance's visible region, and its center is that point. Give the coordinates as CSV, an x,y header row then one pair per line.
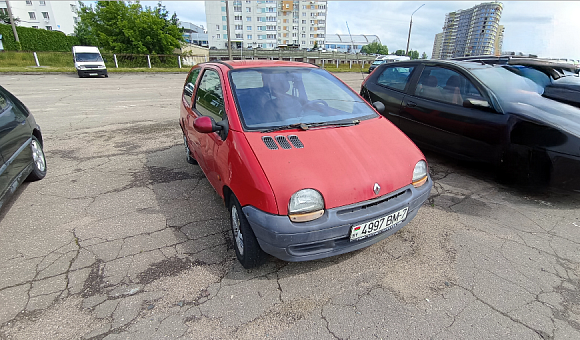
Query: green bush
x,y
34,39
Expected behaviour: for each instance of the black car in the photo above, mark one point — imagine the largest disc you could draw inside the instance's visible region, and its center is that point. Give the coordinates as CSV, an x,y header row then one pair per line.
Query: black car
x,y
480,112
21,154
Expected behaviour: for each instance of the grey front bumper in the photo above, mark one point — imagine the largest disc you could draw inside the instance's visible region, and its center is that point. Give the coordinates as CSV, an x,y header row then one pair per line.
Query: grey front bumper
x,y
329,235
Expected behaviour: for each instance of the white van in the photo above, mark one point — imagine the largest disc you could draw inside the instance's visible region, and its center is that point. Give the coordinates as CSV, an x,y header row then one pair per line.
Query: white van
x,y
88,61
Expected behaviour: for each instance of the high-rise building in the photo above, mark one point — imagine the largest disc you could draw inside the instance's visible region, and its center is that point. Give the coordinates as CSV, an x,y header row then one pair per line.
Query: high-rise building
x,y
50,15
267,24
470,32
498,44
437,46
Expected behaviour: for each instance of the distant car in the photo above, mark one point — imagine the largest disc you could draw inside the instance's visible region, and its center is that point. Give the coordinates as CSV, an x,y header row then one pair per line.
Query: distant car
x,y
306,167
382,59
22,157
88,61
482,113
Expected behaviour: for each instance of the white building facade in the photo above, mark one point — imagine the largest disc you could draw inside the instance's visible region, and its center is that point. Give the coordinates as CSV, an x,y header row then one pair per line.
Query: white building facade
x,y
49,15
267,24
470,32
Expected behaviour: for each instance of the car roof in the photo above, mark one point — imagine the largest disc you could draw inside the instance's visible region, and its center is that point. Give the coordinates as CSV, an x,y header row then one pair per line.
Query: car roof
x,y
239,64
469,65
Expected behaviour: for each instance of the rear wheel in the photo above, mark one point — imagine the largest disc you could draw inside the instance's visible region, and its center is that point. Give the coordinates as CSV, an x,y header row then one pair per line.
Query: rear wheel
x,y
246,245
39,162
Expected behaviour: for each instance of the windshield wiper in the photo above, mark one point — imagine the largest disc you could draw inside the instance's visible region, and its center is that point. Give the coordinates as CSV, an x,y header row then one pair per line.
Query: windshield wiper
x,y
306,126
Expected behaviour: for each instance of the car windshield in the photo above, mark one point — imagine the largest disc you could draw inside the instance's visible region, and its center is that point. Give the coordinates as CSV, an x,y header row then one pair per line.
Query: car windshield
x,y
504,82
90,57
378,62
537,76
279,96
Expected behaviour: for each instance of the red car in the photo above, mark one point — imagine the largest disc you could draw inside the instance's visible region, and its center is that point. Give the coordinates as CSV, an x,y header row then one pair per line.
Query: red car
x,y
305,166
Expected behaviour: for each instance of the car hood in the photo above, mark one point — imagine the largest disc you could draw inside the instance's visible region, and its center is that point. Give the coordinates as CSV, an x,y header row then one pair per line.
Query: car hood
x,y
342,163
545,110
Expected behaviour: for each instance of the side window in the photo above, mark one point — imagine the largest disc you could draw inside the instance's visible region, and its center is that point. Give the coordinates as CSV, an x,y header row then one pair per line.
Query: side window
x,y
4,103
395,77
190,85
209,99
445,85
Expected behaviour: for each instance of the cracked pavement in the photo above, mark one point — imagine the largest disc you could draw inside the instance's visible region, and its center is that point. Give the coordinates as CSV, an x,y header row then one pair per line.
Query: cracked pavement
x,y
124,239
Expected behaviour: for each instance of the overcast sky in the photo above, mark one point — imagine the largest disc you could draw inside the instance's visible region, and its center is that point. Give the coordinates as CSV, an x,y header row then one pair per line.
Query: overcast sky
x,y
545,28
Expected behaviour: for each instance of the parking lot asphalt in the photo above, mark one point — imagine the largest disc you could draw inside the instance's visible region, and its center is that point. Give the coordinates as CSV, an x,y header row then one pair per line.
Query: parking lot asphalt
x,y
124,239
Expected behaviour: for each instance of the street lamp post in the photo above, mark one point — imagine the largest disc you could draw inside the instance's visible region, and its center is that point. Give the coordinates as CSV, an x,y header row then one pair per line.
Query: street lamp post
x,y
411,25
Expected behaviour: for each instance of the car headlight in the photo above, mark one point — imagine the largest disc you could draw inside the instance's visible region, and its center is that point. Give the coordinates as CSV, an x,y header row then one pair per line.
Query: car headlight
x,y
420,174
305,205
80,67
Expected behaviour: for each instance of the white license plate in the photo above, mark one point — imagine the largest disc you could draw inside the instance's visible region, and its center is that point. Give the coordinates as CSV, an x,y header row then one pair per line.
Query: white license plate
x,y
376,226
93,74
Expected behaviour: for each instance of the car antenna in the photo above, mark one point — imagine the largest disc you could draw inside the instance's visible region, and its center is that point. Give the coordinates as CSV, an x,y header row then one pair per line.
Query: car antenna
x,y
352,48
357,60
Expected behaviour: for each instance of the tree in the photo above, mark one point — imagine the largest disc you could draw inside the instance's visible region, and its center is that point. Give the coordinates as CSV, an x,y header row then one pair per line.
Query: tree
x,y
315,45
122,27
413,54
5,18
424,55
400,52
375,48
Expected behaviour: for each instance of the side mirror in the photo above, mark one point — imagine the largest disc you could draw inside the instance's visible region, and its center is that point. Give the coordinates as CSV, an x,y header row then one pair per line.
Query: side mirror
x,y
380,107
206,124
477,104
104,60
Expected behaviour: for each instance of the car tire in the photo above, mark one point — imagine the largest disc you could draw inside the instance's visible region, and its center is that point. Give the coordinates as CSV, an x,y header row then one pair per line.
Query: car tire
x,y
190,159
246,245
79,73
106,75
38,160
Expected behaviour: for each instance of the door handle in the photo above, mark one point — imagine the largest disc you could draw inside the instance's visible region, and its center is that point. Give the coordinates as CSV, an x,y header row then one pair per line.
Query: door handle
x,y
411,104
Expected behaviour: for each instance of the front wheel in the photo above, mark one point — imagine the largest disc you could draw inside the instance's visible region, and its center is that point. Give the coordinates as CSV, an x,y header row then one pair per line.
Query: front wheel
x,y
39,162
80,74
247,248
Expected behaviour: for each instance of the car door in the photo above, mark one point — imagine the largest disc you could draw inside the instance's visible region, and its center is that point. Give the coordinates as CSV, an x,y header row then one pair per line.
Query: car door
x,y
388,85
209,101
434,116
15,136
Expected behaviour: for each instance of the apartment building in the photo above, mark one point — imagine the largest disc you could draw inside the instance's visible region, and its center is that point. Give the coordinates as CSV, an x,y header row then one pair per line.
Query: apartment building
x,y
50,15
469,32
437,46
267,24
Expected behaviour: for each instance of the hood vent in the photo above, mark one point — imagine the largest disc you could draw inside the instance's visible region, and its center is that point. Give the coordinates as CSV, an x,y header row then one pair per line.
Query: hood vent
x,y
295,141
270,143
283,142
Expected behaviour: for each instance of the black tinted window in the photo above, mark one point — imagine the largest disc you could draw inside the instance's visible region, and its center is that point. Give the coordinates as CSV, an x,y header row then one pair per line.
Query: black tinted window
x,y
395,77
446,86
209,99
190,85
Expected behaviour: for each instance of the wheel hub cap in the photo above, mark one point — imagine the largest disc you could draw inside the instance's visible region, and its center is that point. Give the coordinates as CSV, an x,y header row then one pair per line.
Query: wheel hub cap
x,y
38,156
238,237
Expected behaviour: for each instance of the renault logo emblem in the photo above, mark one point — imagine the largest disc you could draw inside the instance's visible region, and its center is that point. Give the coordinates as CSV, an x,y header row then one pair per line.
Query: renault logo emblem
x,y
377,188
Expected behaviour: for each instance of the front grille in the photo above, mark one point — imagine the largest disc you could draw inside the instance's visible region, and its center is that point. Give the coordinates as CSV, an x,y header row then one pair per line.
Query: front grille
x,y
283,142
270,143
372,203
92,66
295,141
